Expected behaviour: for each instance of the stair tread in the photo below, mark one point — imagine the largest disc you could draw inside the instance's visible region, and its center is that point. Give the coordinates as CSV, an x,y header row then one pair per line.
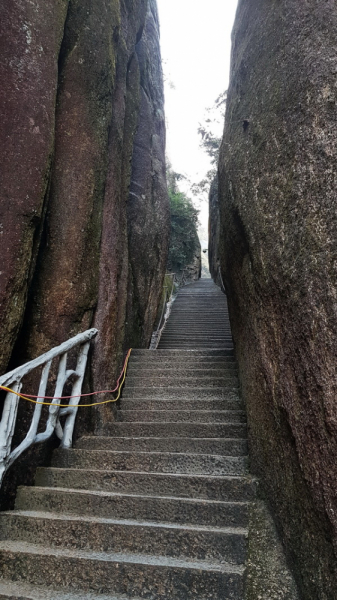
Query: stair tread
x,y
160,438
12,590
104,494
151,529
246,476
140,559
205,411
59,516
154,453
170,423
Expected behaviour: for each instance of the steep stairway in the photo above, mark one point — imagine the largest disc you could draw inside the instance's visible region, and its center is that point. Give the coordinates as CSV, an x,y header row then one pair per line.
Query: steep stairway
x,y
157,508
199,319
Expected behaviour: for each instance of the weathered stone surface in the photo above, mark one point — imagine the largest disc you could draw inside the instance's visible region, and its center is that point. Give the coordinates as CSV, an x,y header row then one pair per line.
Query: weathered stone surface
x,y
30,38
192,270
83,264
130,284
278,230
214,229
66,280
148,208
82,91
110,315
268,576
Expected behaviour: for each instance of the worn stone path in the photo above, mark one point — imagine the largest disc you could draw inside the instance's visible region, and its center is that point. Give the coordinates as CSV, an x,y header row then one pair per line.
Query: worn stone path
x,y
157,508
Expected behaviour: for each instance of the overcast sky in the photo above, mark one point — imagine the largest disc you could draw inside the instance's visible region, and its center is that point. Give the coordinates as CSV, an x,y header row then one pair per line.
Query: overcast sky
x,y
195,42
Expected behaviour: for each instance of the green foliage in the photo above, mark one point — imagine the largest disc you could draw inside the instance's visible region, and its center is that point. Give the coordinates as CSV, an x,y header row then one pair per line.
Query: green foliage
x,y
210,141
184,221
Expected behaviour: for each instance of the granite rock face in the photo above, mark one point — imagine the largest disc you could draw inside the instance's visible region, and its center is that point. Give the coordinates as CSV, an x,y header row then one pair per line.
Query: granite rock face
x,y
82,97
214,230
30,39
191,270
277,189
148,210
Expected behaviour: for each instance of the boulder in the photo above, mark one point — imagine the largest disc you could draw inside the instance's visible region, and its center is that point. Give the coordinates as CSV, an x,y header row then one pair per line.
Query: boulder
x,y
81,94
30,39
277,190
214,230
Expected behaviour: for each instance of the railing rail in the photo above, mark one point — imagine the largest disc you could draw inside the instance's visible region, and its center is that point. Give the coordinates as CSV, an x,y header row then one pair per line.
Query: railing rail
x,y
13,379
183,278
219,278
165,313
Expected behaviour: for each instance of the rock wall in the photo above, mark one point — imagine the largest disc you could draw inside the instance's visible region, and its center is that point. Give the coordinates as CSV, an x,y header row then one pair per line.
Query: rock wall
x,y
148,210
190,271
81,99
30,41
277,189
214,230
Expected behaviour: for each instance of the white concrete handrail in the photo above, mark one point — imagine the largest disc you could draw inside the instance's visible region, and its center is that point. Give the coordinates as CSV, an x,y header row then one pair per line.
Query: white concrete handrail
x,y
221,280
166,311
13,380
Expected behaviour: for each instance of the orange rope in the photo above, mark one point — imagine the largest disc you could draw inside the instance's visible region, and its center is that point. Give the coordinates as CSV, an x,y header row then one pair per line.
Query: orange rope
x,y
29,397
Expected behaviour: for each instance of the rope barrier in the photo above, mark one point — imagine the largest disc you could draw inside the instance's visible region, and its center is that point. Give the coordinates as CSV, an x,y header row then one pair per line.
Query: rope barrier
x,y
30,398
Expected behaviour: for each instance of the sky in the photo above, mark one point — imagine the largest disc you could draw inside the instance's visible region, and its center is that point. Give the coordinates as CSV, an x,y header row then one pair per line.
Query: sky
x,y
195,45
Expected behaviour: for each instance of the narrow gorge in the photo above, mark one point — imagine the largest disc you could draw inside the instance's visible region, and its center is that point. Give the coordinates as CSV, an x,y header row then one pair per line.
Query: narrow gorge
x,y
208,471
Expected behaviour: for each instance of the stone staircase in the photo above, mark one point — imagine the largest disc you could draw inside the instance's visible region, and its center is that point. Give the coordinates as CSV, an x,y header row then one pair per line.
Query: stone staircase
x,y
158,507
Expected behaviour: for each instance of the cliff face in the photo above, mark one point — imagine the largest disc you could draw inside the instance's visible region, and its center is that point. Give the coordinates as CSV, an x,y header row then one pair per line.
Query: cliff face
x,y
31,37
82,102
148,209
278,187
214,230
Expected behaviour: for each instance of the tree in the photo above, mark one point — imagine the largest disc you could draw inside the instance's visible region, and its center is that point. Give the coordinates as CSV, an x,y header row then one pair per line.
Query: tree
x,y
184,221
210,141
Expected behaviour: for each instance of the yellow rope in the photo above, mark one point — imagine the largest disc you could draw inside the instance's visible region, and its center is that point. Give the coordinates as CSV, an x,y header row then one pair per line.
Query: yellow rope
x,y
74,405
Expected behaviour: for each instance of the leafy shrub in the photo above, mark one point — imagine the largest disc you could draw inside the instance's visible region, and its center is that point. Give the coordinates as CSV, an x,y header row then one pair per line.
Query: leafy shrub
x,y
184,237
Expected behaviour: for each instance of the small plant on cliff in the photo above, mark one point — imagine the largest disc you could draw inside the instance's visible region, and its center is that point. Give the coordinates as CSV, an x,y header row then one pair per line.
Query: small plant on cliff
x,y
210,132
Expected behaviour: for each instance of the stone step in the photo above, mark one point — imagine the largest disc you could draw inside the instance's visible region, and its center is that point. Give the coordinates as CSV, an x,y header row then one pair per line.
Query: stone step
x,y
222,446
145,404
201,395
189,375
178,368
191,353
195,323
168,345
206,326
182,416
113,535
171,346
11,590
154,578
183,330
181,362
226,488
200,328
150,462
159,509
200,338
199,430
165,381
182,315
189,393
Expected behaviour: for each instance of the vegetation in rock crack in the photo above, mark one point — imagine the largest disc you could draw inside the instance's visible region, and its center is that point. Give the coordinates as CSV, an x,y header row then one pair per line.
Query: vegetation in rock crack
x,y
211,134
